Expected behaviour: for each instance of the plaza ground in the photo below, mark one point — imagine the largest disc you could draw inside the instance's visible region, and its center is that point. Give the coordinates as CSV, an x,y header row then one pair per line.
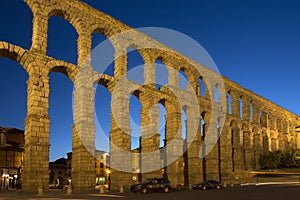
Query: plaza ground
x,y
249,192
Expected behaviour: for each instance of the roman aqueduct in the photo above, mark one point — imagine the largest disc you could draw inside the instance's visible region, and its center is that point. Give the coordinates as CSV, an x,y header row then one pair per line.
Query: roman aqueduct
x,y
248,130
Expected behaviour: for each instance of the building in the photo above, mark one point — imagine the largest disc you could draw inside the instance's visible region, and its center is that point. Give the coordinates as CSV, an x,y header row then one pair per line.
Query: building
x,y
58,171
102,168
61,170
11,157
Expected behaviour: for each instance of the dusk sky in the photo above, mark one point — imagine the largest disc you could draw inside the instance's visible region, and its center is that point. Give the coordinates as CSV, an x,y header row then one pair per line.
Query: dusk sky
x,y
254,43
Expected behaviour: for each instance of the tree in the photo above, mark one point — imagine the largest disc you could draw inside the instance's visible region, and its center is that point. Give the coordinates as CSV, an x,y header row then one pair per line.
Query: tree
x,y
279,159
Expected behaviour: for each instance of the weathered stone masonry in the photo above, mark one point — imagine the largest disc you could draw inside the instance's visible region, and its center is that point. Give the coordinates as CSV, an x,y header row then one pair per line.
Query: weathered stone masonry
x,y
262,126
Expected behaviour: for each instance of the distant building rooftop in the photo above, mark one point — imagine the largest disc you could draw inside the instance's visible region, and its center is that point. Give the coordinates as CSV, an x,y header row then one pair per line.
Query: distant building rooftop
x,y
12,136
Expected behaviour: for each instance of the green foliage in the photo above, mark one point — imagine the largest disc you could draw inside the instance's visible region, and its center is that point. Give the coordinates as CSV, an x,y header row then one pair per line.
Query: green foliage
x,y
279,159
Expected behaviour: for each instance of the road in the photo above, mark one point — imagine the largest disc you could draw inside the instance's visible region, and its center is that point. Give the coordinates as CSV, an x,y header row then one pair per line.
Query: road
x,y
274,192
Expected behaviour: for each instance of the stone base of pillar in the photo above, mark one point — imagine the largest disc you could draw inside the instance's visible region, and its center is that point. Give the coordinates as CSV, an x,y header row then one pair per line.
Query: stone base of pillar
x,y
40,191
120,179
35,180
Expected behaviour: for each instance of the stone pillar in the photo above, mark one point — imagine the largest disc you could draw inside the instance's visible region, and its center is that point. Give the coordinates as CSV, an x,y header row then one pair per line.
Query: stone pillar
x,y
173,77
151,159
264,119
39,33
212,160
237,155
279,125
195,170
150,73
198,89
272,122
255,114
83,136
120,142
257,145
246,110
226,155
248,148
266,141
174,145
84,42
235,106
120,63
37,130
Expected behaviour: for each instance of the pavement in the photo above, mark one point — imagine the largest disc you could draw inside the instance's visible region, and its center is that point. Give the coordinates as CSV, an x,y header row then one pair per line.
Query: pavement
x,y
59,194
264,191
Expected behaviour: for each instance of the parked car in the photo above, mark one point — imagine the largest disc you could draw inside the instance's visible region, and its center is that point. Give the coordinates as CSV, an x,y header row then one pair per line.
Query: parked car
x,y
210,184
152,185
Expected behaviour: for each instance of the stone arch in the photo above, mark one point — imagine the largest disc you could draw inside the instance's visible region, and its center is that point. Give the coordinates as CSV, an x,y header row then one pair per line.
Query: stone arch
x,y
235,102
97,28
229,102
147,56
17,54
160,73
67,14
14,75
135,62
162,103
168,58
202,124
216,93
133,126
201,89
59,104
101,29
188,69
68,69
103,80
241,107
182,76
102,53
163,58
55,39
184,112
251,110
102,112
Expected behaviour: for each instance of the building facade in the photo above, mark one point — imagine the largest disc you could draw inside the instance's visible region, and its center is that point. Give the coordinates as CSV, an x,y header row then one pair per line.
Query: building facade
x,y
11,157
58,171
102,169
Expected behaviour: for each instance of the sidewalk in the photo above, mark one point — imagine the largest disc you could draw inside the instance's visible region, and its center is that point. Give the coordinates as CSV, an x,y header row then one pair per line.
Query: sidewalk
x,y
61,194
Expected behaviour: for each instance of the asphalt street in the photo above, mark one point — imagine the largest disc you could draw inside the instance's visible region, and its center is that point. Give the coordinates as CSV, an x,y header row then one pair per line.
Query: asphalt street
x,y
261,192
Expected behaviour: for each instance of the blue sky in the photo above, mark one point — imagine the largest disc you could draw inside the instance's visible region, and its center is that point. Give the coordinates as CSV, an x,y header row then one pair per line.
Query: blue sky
x,y
254,43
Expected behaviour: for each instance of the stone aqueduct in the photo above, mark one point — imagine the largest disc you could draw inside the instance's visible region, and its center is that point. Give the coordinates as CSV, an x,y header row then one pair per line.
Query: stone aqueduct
x,y
263,126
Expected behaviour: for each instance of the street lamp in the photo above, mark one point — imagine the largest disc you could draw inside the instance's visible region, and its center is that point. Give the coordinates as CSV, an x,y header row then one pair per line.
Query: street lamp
x,y
108,172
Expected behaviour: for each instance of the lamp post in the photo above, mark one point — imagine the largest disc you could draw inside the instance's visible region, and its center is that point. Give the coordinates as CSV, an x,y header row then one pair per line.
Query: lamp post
x,y
108,172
